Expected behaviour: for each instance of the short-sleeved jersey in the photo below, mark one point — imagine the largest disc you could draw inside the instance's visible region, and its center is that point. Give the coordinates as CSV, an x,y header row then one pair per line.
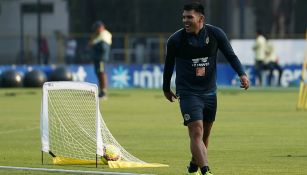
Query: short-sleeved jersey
x,y
195,58
101,45
259,48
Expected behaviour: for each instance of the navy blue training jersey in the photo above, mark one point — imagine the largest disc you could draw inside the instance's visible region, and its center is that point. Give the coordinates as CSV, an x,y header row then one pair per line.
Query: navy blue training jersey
x,y
195,58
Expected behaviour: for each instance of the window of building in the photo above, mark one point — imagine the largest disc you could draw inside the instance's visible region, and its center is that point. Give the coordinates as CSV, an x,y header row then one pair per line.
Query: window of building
x,y
33,8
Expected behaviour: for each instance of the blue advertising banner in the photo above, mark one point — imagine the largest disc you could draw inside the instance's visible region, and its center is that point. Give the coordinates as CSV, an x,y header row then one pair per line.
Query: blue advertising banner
x,y
151,75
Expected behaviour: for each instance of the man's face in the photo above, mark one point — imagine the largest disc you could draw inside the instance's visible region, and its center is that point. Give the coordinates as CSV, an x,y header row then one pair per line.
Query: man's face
x,y
192,21
100,29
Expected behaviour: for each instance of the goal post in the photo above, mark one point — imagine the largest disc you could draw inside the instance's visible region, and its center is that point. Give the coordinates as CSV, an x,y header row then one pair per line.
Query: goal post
x,y
302,97
73,130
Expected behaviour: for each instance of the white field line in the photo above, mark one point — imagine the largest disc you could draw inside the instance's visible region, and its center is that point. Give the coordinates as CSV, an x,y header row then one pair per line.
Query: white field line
x,y
18,130
65,171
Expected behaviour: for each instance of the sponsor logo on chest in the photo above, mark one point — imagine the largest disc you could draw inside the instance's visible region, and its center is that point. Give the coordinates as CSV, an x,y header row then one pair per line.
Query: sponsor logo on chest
x,y
200,62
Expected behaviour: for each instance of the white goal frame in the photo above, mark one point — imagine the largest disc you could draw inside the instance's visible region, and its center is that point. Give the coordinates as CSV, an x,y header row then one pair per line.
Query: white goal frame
x,y
44,122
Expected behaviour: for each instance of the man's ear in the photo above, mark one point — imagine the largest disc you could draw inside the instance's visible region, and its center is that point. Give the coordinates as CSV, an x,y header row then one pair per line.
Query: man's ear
x,y
202,18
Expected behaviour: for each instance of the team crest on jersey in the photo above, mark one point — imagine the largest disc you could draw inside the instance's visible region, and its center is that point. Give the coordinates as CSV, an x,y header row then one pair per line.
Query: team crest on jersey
x,y
186,117
207,40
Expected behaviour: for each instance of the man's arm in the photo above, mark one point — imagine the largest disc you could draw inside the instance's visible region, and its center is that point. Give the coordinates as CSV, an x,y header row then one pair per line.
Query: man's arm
x,y
168,71
225,47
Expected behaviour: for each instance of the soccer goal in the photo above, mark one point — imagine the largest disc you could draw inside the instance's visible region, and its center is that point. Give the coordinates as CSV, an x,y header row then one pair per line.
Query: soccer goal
x,y
74,132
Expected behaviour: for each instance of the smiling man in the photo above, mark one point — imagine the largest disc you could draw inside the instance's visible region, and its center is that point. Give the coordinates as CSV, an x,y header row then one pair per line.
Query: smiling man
x,y
194,51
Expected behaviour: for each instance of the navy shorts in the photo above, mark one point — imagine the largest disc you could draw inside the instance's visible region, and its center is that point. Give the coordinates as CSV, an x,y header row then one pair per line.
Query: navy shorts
x,y
98,66
198,107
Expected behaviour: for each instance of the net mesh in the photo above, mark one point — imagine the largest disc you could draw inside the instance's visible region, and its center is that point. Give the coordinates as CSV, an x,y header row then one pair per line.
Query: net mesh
x,y
72,126
108,138
72,121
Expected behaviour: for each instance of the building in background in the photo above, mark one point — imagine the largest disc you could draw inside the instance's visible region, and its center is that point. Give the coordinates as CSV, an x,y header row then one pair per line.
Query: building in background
x,y
21,15
238,18
140,27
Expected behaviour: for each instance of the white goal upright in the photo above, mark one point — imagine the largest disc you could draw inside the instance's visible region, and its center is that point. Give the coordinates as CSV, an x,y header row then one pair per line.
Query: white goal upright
x,y
73,130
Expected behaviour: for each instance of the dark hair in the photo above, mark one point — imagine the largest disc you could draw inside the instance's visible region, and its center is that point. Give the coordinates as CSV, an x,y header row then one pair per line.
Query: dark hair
x,y
198,7
97,24
259,31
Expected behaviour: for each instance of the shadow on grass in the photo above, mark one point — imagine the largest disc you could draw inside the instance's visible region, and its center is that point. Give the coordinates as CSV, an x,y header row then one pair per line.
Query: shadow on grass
x,y
51,165
289,155
13,94
119,95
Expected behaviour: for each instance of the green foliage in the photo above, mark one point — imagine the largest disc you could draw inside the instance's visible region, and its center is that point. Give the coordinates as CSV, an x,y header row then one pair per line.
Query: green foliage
x,y
257,131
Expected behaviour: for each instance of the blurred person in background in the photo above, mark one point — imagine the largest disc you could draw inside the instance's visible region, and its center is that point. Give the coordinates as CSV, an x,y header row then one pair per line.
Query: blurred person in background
x,y
100,44
194,51
259,49
272,62
70,50
44,50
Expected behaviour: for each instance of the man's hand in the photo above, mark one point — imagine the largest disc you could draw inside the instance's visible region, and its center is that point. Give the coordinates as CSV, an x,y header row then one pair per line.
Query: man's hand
x,y
244,82
170,96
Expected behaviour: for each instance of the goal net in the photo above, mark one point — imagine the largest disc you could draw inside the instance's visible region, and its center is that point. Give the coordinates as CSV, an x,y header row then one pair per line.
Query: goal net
x,y
74,132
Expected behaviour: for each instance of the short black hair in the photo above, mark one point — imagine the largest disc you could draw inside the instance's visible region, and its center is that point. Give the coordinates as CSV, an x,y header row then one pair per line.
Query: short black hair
x,y
198,7
97,24
259,31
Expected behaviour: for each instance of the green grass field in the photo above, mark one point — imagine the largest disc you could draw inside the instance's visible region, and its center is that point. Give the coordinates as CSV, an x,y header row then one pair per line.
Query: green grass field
x,y
256,132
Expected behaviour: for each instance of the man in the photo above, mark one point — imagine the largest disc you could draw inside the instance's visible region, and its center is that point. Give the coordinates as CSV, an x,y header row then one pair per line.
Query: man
x,y
272,62
194,50
100,43
70,50
259,49
44,49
